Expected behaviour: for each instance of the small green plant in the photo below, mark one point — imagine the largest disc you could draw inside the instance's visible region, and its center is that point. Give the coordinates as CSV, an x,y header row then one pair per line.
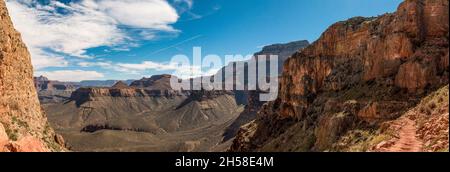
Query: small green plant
x,y
12,134
47,129
20,123
52,144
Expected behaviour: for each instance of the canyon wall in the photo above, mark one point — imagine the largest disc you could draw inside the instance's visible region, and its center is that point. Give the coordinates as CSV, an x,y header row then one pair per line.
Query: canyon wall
x,y
53,91
407,49
251,97
358,73
23,125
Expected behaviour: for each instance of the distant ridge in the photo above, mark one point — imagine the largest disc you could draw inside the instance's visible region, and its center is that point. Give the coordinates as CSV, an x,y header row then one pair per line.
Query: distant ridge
x,y
120,84
155,82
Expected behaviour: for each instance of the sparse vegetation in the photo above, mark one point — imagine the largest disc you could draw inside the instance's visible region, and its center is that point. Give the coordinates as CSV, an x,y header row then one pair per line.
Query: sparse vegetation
x,y
47,129
20,123
360,140
12,134
432,120
437,98
52,145
432,103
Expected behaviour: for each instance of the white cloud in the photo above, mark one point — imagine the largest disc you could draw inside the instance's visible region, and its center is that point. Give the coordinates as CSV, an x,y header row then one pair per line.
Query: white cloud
x,y
42,59
145,67
188,3
71,75
95,64
179,71
147,35
150,14
85,24
148,65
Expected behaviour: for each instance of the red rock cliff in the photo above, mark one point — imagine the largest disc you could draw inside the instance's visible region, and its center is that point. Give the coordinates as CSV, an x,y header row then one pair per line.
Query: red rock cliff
x,y
23,125
409,47
359,69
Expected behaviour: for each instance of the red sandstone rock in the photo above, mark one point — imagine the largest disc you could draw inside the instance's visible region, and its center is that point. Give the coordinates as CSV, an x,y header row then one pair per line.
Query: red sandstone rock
x,y
413,75
405,50
60,140
28,144
20,111
4,140
409,44
379,111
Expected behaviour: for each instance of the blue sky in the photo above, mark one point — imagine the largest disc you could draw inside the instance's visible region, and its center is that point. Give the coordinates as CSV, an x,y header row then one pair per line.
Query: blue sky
x,y
74,40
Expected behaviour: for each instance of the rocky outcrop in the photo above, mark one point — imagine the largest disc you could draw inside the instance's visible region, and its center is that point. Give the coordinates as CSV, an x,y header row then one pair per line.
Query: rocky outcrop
x,y
21,118
379,111
53,91
252,101
40,82
120,84
83,95
395,46
4,138
252,105
284,51
156,82
382,64
101,83
43,84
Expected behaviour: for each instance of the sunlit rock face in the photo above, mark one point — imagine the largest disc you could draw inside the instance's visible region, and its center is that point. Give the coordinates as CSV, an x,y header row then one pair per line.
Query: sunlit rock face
x,y
23,126
374,63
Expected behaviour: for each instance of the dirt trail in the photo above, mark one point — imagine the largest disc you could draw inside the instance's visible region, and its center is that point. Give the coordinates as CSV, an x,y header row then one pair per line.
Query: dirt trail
x,y
408,141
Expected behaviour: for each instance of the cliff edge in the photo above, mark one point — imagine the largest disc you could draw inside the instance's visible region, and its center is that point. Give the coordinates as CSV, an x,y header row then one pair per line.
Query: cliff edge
x,y
23,125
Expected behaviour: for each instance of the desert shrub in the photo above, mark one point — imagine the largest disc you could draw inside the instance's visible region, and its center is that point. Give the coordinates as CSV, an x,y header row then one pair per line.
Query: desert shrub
x,y
432,105
12,134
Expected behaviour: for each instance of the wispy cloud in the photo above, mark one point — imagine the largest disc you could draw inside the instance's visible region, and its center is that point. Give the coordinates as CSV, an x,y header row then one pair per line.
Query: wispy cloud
x,y
179,71
96,64
183,5
55,32
176,44
144,67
